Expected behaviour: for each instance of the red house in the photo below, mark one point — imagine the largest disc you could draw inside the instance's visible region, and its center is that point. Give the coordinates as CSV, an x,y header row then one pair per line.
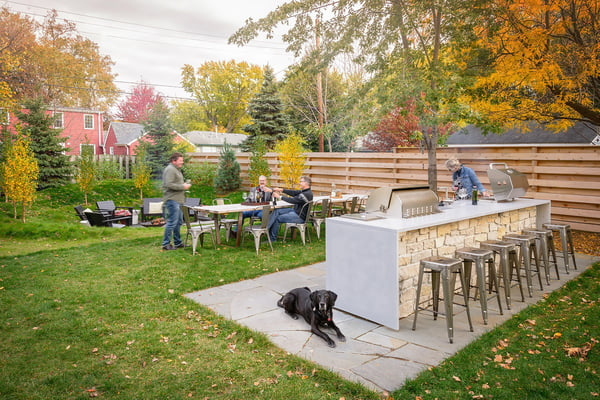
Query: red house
x,y
80,127
122,138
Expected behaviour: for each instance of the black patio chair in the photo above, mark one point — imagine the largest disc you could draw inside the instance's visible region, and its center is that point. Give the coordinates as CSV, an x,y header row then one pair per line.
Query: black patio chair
x,y
96,218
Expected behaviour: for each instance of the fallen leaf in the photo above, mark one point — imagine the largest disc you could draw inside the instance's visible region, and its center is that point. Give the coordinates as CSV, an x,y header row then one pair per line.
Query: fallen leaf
x,y
570,384
530,321
498,358
456,378
485,386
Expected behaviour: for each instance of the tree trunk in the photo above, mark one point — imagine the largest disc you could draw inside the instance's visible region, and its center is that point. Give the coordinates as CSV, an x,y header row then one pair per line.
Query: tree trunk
x,y
430,136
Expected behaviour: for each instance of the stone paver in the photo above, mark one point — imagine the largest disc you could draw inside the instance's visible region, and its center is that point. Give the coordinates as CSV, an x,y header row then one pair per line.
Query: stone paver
x,y
373,355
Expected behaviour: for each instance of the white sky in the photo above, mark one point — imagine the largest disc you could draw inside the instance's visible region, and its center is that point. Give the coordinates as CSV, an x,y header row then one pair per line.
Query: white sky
x,y
151,40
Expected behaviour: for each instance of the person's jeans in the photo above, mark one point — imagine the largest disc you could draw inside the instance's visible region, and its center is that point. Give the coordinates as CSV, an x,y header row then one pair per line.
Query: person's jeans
x,y
174,219
281,216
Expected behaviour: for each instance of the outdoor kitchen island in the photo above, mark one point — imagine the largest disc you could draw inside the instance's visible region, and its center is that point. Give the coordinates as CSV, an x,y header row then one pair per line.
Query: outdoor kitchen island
x,y
373,264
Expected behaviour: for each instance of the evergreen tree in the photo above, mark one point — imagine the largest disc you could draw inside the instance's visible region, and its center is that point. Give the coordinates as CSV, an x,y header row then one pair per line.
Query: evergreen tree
x,y
228,175
159,144
266,110
55,169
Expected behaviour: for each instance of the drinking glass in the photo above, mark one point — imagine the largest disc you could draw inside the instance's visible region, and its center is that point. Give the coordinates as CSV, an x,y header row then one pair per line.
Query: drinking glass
x,y
244,196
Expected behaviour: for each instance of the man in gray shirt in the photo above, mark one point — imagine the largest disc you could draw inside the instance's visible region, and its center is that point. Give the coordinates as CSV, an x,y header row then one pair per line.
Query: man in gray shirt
x,y
173,197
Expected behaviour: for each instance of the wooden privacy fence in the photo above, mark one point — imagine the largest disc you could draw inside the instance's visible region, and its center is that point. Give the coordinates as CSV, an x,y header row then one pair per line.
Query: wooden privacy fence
x,y
125,162
569,176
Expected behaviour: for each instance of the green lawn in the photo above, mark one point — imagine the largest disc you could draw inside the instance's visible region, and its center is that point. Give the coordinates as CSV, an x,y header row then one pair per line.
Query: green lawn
x,y
99,312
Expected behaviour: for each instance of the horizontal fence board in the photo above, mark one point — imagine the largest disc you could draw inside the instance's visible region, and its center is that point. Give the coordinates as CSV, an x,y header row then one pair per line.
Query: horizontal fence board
x,y
568,176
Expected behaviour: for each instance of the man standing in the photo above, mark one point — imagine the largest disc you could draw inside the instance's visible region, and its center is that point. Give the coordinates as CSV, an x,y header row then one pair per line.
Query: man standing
x,y
173,197
297,214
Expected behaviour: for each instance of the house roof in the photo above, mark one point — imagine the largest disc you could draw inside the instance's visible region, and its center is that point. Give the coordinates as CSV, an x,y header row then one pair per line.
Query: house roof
x,y
208,138
75,109
127,132
580,133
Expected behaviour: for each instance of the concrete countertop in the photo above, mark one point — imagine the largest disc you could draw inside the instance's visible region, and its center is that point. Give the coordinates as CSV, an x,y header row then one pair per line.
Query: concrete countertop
x,y
457,211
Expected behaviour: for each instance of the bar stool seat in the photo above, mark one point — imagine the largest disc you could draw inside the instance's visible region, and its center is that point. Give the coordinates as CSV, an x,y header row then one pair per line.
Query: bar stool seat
x,y
509,263
546,248
444,269
566,240
527,250
471,255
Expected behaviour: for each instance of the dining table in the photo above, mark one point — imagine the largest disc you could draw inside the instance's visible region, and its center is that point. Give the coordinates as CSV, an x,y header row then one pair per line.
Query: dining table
x,y
343,199
217,211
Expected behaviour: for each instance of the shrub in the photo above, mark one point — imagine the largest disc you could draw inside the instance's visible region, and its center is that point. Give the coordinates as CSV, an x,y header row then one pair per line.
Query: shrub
x,y
228,175
200,173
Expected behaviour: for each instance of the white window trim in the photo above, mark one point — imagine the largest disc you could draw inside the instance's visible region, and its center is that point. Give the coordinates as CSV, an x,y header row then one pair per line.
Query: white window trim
x,y
62,120
84,119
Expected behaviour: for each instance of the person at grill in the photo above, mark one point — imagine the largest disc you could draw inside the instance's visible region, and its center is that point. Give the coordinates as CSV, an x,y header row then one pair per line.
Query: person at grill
x,y
297,214
261,193
464,179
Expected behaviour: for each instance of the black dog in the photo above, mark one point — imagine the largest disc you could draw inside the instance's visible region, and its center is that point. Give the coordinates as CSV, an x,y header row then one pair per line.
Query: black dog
x,y
315,307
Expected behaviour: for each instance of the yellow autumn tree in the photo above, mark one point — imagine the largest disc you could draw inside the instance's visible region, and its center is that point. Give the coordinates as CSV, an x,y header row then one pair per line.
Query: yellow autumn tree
x,y
86,173
290,153
141,173
543,63
19,175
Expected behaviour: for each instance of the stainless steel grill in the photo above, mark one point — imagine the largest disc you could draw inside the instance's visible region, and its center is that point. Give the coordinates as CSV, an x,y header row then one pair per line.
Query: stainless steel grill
x,y
507,183
403,202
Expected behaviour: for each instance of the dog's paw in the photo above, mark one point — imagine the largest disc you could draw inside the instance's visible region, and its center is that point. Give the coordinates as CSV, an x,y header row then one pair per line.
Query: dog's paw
x,y
342,338
295,316
331,343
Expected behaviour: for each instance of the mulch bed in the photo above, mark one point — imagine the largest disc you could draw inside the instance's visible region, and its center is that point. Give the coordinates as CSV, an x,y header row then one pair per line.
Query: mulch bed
x,y
584,242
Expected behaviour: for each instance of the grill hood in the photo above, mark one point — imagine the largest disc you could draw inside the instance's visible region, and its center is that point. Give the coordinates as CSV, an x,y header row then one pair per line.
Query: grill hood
x,y
507,183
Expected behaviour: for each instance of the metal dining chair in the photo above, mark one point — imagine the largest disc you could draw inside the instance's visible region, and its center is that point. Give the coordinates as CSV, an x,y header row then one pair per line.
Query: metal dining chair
x,y
301,226
226,223
197,230
257,230
317,217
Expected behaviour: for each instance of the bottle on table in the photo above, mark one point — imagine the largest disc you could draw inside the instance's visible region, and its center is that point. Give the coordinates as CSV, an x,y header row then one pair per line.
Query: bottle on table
x,y
474,196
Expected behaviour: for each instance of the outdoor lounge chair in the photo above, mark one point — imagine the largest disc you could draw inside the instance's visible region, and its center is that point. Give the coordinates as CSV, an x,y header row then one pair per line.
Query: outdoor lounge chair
x,y
152,207
112,211
96,218
79,210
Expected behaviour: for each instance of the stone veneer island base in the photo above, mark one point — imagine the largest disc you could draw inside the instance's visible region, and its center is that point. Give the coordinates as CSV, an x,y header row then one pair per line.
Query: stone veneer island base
x,y
373,265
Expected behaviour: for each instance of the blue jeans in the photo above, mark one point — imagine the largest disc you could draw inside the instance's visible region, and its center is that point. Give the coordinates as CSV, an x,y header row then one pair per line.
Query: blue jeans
x,y
249,214
281,216
174,218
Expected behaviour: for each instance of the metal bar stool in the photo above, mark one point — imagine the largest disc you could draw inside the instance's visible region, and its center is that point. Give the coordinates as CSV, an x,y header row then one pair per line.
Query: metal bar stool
x,y
546,241
509,262
566,239
527,249
444,269
471,255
